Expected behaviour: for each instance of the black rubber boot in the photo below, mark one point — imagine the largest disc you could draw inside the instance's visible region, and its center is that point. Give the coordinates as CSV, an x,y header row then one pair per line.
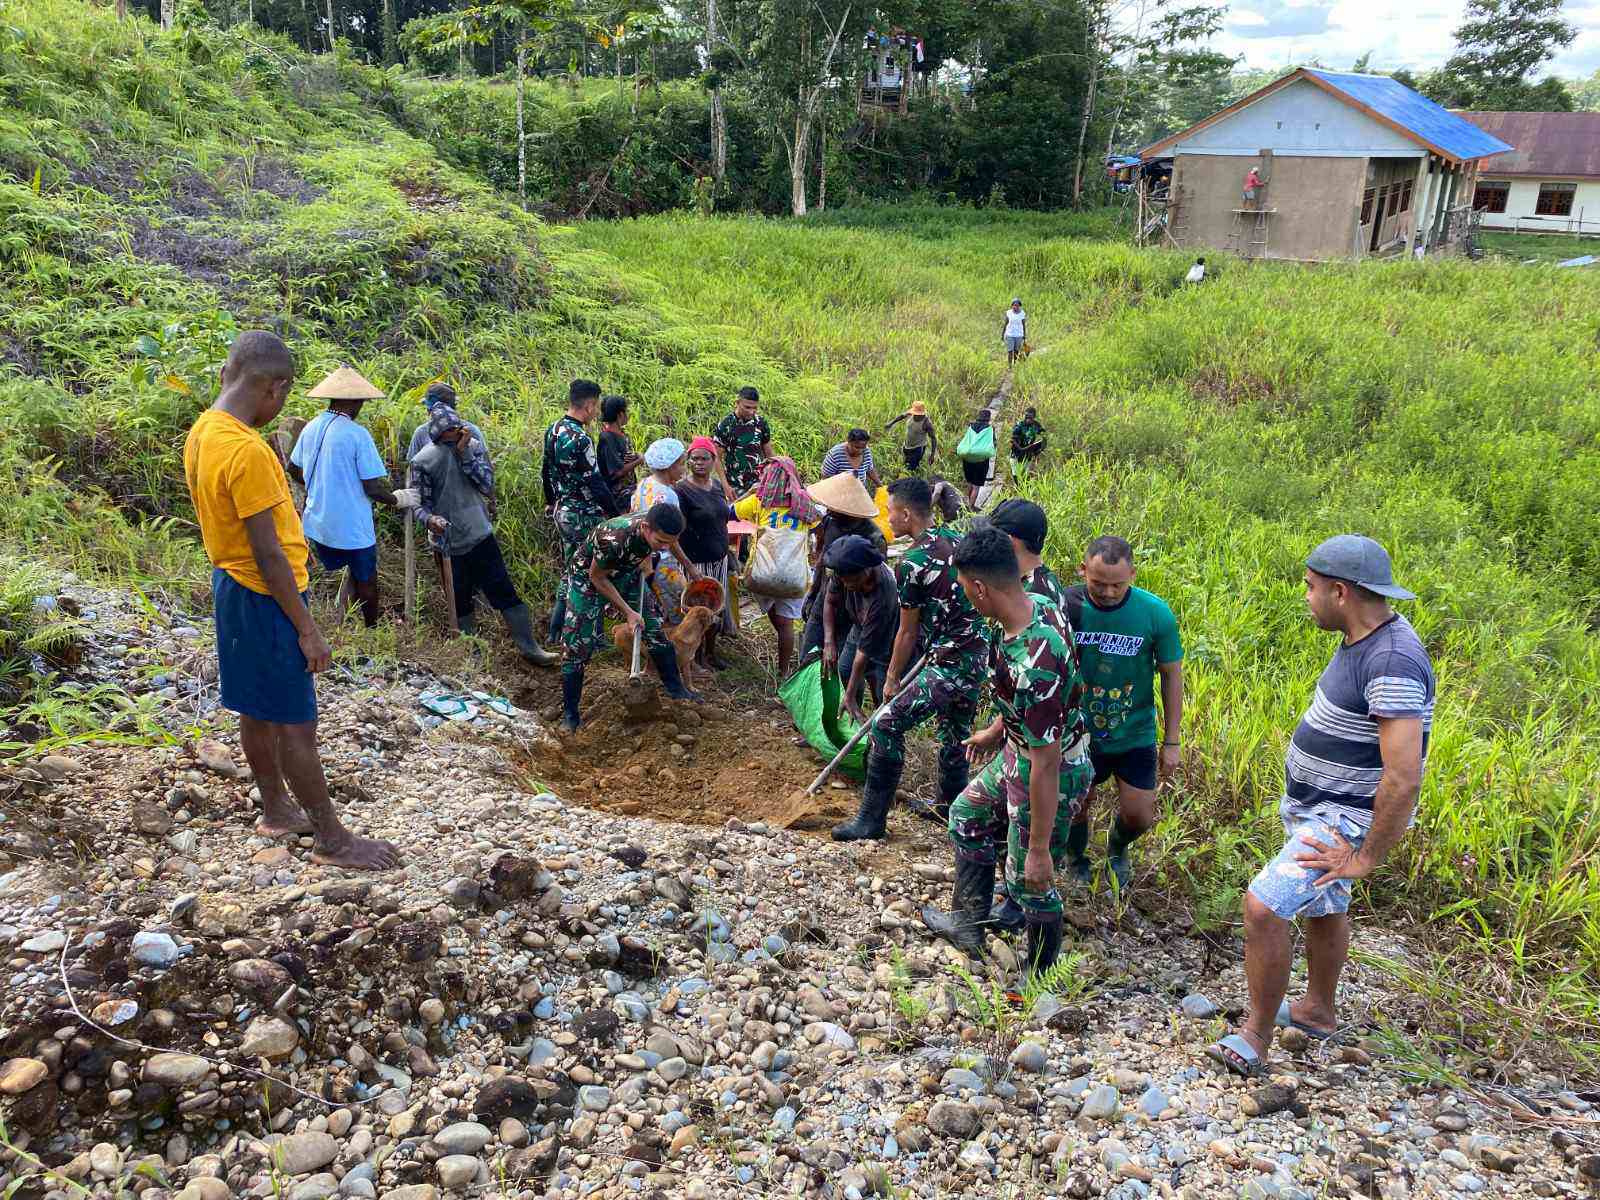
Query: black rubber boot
x,y
467,626
1044,943
571,698
520,622
883,778
558,617
666,662
1007,916
963,926
954,774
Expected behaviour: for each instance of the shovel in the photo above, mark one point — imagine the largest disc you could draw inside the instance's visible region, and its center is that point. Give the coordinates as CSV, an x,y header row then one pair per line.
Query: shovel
x,y
639,697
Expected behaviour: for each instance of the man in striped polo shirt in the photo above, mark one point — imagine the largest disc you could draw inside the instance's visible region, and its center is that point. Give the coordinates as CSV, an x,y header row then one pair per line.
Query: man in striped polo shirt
x,y
1351,781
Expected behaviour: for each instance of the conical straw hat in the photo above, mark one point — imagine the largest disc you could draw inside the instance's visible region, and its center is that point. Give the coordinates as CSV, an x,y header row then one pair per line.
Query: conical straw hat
x,y
843,494
344,384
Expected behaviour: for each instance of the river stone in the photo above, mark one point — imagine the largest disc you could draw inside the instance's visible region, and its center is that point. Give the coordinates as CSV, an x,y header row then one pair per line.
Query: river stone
x,y
1030,1057
175,1070
595,1099
318,1187
1197,1006
464,1137
413,1191
1101,1104
269,1037
45,943
18,1075
457,1170
154,950
303,1153
952,1118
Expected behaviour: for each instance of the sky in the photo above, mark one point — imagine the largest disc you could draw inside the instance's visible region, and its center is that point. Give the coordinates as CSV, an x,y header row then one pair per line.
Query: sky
x,y
1273,33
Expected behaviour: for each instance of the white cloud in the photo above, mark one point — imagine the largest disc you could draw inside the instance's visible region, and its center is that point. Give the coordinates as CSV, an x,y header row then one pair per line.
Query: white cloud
x,y
1276,33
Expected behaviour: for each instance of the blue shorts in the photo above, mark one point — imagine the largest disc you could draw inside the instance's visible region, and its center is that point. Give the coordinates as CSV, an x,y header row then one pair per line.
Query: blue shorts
x,y
363,563
1286,887
259,658
1014,344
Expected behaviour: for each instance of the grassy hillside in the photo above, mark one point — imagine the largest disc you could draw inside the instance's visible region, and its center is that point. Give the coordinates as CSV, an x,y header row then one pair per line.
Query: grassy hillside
x,y
156,193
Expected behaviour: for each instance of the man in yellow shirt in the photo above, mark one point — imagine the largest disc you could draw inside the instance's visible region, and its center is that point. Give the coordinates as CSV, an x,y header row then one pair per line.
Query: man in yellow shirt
x,y
268,647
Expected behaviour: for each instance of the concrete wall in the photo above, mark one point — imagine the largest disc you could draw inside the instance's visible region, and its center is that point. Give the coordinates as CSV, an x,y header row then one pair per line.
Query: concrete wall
x,y
1524,196
1317,199
1300,119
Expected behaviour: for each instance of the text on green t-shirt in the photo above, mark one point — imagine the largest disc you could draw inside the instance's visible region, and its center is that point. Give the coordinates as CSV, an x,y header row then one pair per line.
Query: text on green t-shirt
x,y
1118,650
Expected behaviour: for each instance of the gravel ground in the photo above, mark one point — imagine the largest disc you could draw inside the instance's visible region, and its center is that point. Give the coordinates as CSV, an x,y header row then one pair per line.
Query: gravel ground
x,y
554,1001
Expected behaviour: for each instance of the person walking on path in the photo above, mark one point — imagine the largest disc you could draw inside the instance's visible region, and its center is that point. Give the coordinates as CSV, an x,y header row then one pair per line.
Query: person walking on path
x,y
850,511
860,615
1015,332
780,501
977,461
338,464
1024,799
455,485
269,648
852,455
576,495
1126,637
745,439
920,440
664,457
1027,441
618,463
935,612
439,393
707,509
1351,781
606,571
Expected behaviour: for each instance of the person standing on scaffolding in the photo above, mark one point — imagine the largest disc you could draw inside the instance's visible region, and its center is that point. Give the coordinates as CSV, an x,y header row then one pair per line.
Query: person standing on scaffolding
x,y
1252,187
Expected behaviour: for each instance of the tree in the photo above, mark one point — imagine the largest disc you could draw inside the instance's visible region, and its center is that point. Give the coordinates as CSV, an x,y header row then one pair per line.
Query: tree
x,y
1498,46
1586,93
795,67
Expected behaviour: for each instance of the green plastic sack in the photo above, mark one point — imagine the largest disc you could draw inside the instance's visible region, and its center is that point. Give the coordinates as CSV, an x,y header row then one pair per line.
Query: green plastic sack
x,y
976,445
813,702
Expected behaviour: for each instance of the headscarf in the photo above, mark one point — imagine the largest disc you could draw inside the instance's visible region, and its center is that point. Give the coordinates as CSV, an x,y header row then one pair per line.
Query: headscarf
x,y
443,419
852,554
779,486
703,443
662,453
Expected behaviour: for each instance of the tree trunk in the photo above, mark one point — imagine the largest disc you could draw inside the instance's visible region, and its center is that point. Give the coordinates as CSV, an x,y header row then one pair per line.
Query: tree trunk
x,y
330,26
122,10
822,166
168,11
719,118
522,131
1093,41
305,25
810,100
797,172
391,35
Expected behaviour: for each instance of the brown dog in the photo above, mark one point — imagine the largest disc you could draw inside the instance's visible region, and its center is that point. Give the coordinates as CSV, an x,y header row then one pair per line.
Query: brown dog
x,y
685,637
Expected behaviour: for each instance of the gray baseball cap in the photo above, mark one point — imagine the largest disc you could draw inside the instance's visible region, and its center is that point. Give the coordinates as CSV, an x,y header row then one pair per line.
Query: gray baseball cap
x,y
1360,560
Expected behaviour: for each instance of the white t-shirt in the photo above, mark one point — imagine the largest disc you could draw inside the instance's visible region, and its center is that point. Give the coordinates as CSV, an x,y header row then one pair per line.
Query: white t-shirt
x,y
1014,319
1196,273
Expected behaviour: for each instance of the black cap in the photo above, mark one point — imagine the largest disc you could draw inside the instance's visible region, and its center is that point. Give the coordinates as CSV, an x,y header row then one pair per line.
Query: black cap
x,y
1023,520
439,393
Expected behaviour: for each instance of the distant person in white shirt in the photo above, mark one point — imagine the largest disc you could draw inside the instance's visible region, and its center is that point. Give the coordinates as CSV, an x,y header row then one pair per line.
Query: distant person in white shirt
x,y
1016,331
1197,273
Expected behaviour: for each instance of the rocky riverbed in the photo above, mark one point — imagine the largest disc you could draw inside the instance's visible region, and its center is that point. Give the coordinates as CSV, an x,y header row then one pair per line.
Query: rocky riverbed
x,y
550,1001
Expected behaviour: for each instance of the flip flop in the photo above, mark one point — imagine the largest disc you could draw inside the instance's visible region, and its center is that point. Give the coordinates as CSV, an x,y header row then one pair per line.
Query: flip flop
x,y
1237,1055
1286,1021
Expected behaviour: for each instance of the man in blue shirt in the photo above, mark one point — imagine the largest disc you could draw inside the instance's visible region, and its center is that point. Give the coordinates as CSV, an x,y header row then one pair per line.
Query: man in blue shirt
x,y
338,463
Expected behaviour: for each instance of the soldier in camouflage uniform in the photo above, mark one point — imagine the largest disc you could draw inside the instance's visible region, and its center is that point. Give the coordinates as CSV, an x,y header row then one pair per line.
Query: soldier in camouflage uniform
x,y
1026,524
576,494
745,439
606,571
934,609
1039,778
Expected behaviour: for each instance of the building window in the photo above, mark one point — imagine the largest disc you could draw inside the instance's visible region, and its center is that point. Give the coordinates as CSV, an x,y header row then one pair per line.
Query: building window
x,y
1555,199
1491,196
1366,205
1405,196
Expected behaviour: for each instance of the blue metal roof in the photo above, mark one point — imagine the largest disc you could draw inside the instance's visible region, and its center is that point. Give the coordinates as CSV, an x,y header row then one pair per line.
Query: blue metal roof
x,y
1414,114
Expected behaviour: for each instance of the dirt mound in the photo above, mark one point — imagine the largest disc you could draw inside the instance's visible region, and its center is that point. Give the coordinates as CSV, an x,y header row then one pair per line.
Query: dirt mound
x,y
697,763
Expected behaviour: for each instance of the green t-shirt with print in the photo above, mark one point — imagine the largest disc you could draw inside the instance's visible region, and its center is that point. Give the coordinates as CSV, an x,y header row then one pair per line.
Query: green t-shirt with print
x,y
1118,651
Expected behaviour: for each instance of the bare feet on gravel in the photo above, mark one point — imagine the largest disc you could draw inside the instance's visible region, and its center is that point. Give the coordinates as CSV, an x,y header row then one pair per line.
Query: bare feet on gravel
x,y
358,854
282,818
